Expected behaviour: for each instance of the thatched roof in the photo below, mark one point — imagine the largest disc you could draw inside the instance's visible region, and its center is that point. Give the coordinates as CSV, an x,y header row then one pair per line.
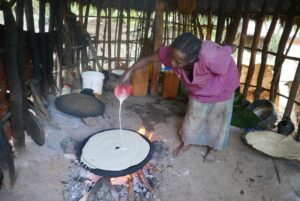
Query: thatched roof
x,y
203,6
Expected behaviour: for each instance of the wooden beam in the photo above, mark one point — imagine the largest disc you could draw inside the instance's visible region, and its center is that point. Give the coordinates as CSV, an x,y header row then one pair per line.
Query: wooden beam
x,y
42,12
32,43
209,24
87,12
199,26
166,30
127,34
109,34
264,55
80,9
281,47
97,32
258,26
243,37
158,32
293,93
61,8
14,81
234,24
20,58
221,21
298,133
104,36
120,30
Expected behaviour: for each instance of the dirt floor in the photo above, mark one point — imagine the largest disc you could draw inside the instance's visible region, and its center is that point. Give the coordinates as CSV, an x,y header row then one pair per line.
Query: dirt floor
x,y
239,173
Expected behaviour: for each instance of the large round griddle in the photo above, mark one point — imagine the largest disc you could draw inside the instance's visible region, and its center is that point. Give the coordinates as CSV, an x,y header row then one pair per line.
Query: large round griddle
x,y
119,169
80,105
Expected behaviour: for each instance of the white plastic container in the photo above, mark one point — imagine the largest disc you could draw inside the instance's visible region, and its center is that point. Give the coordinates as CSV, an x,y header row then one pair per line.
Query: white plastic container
x,y
93,80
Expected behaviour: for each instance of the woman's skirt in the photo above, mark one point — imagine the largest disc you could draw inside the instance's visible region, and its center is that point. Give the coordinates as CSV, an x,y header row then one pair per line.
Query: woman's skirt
x,y
207,124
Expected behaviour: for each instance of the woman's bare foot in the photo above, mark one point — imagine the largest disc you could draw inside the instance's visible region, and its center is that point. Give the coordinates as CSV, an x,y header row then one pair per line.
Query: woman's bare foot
x,y
181,148
209,156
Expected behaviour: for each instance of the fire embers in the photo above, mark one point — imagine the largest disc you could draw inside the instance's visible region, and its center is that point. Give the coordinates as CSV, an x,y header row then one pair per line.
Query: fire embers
x,y
139,186
86,186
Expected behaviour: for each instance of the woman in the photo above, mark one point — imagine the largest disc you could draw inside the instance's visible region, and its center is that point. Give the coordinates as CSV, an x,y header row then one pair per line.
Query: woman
x,y
210,73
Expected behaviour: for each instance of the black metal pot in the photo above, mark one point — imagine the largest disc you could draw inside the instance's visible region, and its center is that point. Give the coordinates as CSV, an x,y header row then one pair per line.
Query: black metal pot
x,y
119,173
285,126
264,109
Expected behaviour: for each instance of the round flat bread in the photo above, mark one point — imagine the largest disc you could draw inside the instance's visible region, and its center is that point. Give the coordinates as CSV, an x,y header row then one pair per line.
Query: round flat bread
x,y
110,150
274,144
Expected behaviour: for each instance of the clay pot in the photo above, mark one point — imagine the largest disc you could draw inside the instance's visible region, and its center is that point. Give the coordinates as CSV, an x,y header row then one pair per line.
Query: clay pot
x,y
285,126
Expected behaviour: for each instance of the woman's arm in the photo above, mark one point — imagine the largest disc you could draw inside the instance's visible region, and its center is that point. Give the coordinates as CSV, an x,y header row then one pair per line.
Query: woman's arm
x,y
142,63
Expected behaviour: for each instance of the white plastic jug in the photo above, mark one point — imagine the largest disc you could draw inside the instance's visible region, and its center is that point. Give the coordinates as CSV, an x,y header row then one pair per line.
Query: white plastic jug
x,y
93,80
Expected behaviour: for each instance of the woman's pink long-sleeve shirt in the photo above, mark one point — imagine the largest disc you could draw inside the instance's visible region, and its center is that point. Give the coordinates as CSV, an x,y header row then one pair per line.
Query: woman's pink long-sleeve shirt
x,y
215,74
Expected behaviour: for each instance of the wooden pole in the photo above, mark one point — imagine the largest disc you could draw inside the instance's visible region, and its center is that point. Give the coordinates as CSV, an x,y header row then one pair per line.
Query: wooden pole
x,y
234,24
115,49
13,75
166,32
42,16
109,35
87,12
97,32
200,30
20,58
280,57
281,47
120,30
51,46
243,37
104,37
298,133
173,25
127,35
60,7
221,21
194,23
80,9
32,44
258,26
293,93
158,32
210,25
178,23
42,46
264,55
185,22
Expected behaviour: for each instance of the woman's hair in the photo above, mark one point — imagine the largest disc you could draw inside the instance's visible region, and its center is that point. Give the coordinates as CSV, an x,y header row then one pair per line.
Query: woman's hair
x,y
188,44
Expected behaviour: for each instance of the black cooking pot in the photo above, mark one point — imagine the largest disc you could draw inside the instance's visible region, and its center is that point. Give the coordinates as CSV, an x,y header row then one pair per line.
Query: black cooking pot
x,y
285,126
264,110
119,173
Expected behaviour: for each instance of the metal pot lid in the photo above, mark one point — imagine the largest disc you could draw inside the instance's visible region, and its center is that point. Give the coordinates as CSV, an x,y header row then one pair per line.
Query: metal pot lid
x,y
115,153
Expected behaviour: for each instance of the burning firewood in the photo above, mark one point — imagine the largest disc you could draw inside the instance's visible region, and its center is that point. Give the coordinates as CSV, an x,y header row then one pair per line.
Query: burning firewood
x,y
144,180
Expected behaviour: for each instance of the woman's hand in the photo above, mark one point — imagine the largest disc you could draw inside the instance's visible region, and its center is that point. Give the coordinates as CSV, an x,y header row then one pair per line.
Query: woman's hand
x,y
125,78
